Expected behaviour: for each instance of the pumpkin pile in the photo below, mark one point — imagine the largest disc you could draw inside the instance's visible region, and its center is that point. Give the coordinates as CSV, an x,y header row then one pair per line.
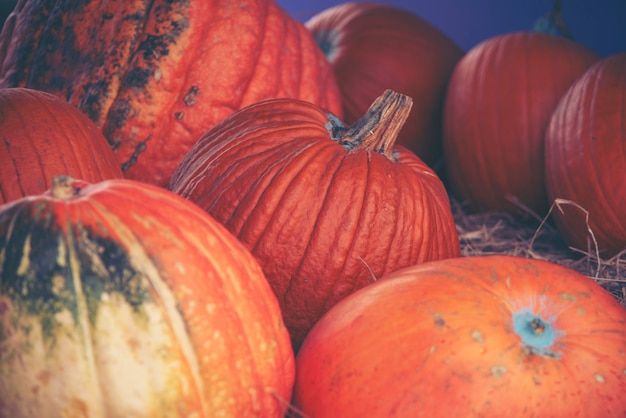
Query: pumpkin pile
x,y
212,209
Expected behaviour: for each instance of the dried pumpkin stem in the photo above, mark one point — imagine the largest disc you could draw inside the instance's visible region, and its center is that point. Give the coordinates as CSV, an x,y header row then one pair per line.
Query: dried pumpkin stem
x,y
63,187
378,128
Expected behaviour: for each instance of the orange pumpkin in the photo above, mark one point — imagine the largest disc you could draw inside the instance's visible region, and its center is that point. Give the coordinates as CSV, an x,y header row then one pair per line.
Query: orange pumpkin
x,y
375,46
488,336
44,137
154,76
322,207
499,102
585,150
121,299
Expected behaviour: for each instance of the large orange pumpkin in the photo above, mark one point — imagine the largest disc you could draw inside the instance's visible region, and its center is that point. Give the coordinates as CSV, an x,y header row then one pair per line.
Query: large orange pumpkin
x,y
43,137
155,75
499,102
324,208
375,46
586,159
485,336
121,299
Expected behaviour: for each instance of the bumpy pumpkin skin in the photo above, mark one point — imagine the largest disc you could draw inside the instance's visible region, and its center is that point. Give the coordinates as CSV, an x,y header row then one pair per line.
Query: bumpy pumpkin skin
x,y
120,299
441,340
154,75
322,220
375,46
586,159
43,137
498,105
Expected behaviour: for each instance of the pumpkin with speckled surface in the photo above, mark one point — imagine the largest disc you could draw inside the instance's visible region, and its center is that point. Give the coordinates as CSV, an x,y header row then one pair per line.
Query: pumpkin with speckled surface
x,y
497,108
43,137
586,159
325,208
121,299
154,75
375,46
488,336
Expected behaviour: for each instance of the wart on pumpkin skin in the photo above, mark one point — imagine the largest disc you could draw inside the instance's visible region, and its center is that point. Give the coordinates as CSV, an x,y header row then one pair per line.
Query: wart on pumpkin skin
x,y
439,321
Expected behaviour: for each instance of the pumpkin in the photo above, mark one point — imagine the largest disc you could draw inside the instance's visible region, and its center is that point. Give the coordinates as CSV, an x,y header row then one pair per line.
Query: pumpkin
x,y
154,76
121,299
498,105
43,137
324,208
585,148
487,336
373,47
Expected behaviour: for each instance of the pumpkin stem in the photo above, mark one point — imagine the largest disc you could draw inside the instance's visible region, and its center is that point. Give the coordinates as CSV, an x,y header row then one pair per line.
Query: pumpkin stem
x,y
378,128
64,187
553,22
537,334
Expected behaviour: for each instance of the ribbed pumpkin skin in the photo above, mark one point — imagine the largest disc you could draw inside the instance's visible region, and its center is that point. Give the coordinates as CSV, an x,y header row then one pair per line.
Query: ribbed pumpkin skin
x,y
586,158
44,137
322,221
124,300
440,340
499,102
154,75
375,46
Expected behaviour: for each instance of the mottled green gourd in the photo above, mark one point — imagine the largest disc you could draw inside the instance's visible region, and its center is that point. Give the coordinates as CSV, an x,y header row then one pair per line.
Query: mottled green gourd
x,y
111,308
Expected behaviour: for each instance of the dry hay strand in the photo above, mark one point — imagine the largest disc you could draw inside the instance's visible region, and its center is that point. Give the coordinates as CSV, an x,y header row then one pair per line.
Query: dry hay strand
x,y
489,233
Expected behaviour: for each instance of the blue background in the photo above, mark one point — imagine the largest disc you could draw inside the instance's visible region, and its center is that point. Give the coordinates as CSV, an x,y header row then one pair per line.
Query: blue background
x,y
597,24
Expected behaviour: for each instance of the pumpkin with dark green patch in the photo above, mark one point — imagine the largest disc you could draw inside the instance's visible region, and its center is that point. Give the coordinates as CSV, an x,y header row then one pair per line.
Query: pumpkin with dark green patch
x,y
109,307
154,75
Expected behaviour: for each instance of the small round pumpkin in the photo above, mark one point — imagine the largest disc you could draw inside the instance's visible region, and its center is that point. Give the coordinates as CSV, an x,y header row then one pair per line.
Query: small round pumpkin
x,y
375,46
121,299
43,137
585,149
488,336
498,105
155,75
323,207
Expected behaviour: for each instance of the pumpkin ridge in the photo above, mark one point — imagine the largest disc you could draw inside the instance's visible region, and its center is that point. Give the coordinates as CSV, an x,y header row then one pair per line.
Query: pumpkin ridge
x,y
368,193
39,164
249,200
327,302
243,167
278,186
159,287
601,186
278,180
78,153
309,240
246,89
301,46
178,118
424,207
231,293
144,62
84,311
